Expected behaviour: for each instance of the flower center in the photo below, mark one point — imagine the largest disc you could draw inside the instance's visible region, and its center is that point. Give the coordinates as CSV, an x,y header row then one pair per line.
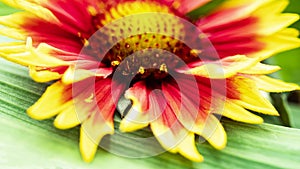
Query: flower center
x,y
137,40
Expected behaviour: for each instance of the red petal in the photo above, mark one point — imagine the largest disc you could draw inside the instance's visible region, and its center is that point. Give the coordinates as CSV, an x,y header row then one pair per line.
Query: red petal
x,y
173,136
186,6
148,105
234,26
187,98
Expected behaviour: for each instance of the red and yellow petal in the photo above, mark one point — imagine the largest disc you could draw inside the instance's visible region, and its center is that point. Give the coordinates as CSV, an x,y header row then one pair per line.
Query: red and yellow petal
x,y
186,101
92,131
41,23
59,99
43,66
173,121
251,28
224,68
229,11
247,95
152,109
75,74
174,137
100,121
52,102
236,112
27,55
283,40
78,104
192,107
186,6
139,115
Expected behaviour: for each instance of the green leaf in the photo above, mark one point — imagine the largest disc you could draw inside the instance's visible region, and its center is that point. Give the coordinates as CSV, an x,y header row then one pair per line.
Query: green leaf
x,y
289,63
295,114
280,103
27,143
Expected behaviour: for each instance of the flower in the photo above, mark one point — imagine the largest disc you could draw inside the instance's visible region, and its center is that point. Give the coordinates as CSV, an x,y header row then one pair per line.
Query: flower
x,y
96,51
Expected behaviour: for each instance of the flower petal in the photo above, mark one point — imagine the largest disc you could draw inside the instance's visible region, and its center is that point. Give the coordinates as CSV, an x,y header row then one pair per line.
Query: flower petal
x,y
15,20
74,74
12,33
269,84
73,115
278,42
174,137
100,119
261,68
228,12
92,131
32,7
138,116
271,18
31,56
185,105
212,130
225,68
234,111
185,6
250,28
52,102
250,97
44,75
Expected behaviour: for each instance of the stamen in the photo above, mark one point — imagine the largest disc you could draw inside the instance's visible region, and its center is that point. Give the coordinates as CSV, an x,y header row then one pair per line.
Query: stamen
x,y
195,52
141,70
163,68
92,10
86,42
115,63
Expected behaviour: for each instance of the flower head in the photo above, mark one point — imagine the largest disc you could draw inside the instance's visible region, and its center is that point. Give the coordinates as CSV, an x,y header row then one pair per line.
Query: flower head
x,y
177,80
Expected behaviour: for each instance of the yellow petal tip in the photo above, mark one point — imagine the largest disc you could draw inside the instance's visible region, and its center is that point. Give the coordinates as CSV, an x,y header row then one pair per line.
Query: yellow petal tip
x,y
31,112
67,119
221,144
127,126
87,147
123,127
63,125
197,158
43,76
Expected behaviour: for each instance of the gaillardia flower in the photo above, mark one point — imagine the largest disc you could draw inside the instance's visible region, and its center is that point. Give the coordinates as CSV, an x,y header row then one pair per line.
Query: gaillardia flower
x,y
95,51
